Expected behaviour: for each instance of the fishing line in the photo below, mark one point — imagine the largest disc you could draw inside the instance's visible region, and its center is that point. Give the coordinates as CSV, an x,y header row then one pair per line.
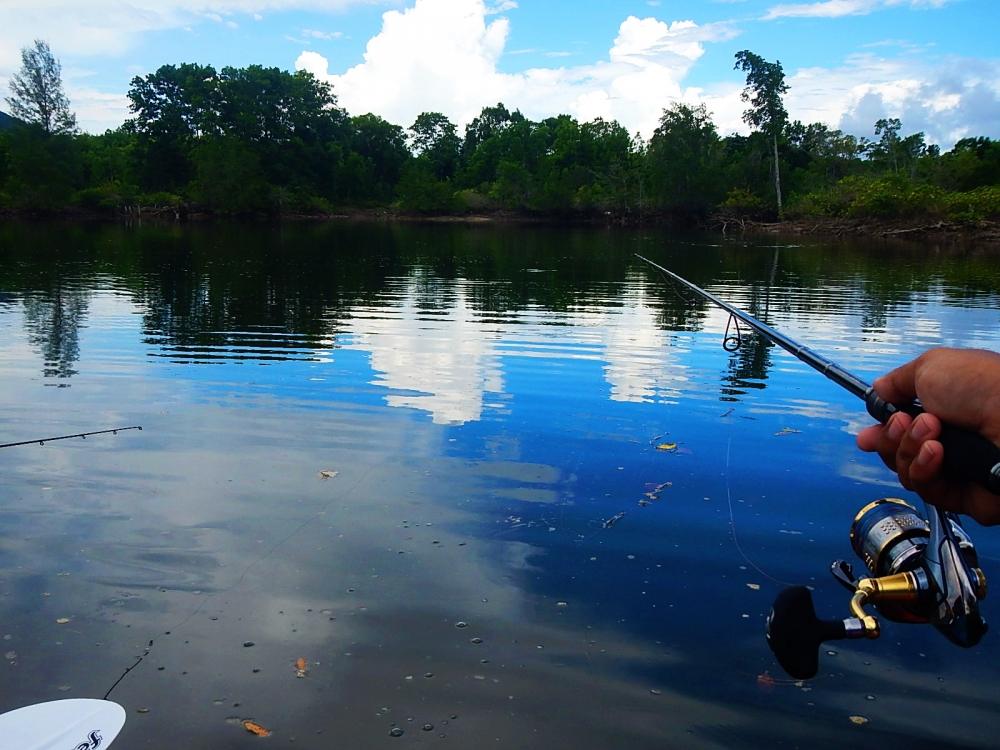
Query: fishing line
x,y
732,526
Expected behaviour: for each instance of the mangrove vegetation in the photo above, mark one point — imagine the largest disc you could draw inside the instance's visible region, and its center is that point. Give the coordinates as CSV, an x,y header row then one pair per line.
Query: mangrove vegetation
x,y
260,140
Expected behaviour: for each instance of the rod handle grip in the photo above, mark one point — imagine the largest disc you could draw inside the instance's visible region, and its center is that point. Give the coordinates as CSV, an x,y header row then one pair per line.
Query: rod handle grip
x,y
968,456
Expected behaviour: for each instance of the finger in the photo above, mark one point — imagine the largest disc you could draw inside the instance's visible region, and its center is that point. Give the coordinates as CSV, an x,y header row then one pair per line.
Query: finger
x,y
925,427
890,439
900,385
868,438
927,464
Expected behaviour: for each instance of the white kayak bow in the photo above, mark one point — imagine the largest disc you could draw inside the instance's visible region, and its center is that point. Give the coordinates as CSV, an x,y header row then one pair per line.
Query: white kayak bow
x,y
73,724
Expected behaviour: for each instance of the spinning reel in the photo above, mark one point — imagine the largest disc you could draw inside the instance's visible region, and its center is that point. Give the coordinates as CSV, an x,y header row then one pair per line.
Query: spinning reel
x,y
922,571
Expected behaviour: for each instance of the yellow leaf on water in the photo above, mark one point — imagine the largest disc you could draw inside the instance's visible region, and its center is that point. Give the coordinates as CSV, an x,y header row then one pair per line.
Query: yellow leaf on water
x,y
859,720
254,728
667,447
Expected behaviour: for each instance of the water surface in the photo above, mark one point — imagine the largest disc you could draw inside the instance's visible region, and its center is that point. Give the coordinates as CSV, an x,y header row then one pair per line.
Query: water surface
x,y
503,555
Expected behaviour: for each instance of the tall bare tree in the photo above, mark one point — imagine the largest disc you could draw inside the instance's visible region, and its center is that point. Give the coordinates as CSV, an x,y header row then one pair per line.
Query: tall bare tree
x,y
765,85
37,90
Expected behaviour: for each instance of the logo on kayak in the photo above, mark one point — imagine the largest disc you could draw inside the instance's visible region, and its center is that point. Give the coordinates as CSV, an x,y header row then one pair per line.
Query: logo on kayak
x,y
94,741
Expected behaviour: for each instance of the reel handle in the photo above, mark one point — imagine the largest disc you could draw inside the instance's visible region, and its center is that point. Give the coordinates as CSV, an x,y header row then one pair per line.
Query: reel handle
x,y
967,455
794,632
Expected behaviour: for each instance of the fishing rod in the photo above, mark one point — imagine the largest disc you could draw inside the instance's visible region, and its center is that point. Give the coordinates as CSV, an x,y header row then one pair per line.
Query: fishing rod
x,y
78,723
84,435
923,570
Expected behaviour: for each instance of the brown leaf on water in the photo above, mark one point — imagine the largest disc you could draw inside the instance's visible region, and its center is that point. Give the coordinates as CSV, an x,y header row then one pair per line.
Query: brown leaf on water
x,y
301,667
254,728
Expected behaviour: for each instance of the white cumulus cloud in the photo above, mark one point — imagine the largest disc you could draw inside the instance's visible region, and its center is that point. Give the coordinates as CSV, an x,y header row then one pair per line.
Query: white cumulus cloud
x,y
442,55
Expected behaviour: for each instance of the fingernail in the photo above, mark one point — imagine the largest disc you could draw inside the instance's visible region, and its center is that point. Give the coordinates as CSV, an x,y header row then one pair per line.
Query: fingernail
x,y
924,455
895,430
919,429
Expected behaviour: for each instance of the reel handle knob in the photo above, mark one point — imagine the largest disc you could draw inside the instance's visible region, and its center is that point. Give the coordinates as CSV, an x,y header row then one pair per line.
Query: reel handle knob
x,y
794,632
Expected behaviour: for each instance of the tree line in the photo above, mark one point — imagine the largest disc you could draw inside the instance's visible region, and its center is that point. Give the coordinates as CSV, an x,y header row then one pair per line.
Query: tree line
x,y
264,140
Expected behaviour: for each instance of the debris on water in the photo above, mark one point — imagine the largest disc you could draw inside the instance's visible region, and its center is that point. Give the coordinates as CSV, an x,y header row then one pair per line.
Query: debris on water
x,y
753,586
142,710
62,620
765,681
787,431
461,624
667,447
609,522
654,691
562,604
869,697
653,494
477,640
428,727
728,412
396,732
257,729
301,667
248,644
328,474
10,655
859,720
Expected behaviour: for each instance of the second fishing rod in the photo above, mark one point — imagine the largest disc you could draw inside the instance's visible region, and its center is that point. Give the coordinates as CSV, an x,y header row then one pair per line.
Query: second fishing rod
x,y
923,570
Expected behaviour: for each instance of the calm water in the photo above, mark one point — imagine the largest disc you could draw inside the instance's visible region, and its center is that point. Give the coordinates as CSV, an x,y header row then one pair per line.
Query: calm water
x,y
503,558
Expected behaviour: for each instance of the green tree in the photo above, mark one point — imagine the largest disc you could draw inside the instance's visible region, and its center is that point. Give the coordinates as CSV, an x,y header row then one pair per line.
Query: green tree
x,y
37,90
380,151
683,160
172,108
765,85
887,147
433,137
228,176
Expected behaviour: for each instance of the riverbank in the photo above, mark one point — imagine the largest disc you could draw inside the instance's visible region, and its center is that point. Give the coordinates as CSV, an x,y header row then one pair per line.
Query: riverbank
x,y
981,232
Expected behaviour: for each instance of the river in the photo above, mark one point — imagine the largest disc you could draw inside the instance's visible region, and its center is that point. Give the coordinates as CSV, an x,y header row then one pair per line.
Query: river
x,y
495,486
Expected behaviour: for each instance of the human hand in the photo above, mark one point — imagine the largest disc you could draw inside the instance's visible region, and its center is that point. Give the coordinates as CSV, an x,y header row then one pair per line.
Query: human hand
x,y
958,386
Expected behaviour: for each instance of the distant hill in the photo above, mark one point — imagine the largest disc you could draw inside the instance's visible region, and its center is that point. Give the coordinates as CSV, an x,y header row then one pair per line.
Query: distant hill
x,y
7,122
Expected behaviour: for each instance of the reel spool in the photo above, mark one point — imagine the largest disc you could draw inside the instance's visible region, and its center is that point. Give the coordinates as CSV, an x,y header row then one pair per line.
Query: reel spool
x,y
922,571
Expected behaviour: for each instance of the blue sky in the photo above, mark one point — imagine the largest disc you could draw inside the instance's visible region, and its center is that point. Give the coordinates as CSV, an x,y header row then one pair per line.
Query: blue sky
x,y
933,63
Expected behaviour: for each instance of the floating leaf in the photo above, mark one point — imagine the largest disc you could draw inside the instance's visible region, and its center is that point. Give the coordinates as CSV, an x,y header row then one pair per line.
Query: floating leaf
x,y
786,431
765,681
859,720
328,473
608,523
753,586
667,447
62,620
254,728
301,667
